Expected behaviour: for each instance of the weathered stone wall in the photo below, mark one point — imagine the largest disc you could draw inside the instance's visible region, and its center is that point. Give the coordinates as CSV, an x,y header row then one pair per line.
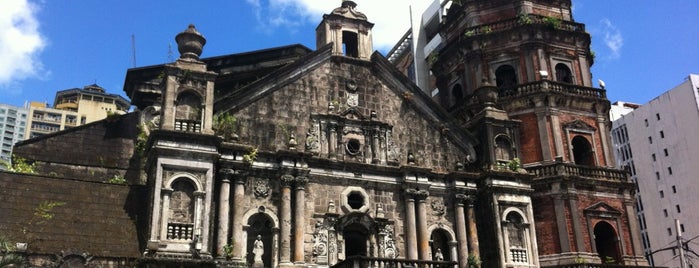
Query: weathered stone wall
x,y
57,215
269,122
96,151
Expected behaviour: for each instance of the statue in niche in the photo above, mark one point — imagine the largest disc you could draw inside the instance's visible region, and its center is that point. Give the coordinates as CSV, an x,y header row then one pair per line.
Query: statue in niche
x,y
258,250
438,256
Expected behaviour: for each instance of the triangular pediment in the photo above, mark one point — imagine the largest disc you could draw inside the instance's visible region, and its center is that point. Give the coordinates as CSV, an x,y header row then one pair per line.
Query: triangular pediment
x,y
372,111
578,125
602,208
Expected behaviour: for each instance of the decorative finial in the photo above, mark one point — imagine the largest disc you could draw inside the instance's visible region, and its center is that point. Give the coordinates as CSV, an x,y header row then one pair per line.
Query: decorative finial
x,y
292,142
190,43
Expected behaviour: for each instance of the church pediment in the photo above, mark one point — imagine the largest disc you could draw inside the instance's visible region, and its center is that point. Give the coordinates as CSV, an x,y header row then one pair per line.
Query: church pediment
x,y
579,125
603,210
370,114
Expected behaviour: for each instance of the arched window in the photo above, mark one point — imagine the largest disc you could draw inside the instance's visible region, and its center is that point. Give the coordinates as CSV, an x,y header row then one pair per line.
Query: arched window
x,y
515,232
607,243
188,112
457,94
503,149
505,76
350,44
563,74
181,211
582,151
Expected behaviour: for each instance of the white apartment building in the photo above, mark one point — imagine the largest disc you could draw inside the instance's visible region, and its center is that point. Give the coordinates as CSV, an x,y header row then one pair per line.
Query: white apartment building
x,y
13,121
658,144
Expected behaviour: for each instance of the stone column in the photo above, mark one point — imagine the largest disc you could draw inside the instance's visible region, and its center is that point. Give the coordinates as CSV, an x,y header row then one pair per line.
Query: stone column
x,y
575,219
223,212
199,224
472,230
165,216
557,133
634,230
410,228
238,197
423,235
299,218
285,216
461,236
561,223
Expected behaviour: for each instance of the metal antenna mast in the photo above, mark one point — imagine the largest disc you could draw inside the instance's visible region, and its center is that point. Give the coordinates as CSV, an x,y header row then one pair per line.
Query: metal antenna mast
x,y
133,49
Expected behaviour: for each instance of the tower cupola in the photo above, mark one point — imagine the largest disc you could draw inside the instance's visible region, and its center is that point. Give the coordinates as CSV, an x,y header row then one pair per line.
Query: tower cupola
x,y
349,31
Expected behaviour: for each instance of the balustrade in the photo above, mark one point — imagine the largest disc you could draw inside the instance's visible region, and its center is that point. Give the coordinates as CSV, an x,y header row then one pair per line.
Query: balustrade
x,y
180,231
366,262
569,169
187,125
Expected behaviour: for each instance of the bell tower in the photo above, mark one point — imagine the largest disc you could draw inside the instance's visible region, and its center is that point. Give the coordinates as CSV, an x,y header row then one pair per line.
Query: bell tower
x,y
348,30
182,152
539,60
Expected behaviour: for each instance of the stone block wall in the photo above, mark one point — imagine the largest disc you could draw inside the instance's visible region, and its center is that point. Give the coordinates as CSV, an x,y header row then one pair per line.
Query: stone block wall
x,y
53,215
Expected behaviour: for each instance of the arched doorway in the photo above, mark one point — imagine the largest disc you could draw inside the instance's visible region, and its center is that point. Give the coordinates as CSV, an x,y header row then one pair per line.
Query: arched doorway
x,y
356,229
606,242
582,151
260,225
439,240
356,237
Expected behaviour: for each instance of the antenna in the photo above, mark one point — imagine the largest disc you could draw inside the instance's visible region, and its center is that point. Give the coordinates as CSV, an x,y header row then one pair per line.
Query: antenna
x,y
170,58
133,49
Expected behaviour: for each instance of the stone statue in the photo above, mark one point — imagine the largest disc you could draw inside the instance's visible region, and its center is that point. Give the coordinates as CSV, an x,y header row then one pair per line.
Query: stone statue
x,y
438,256
258,250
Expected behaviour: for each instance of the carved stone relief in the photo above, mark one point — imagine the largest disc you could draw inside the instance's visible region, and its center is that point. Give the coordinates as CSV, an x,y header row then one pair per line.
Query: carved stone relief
x,y
260,187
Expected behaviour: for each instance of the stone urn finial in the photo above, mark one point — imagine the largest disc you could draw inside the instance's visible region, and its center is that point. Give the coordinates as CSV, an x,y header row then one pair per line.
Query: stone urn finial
x,y
487,94
190,43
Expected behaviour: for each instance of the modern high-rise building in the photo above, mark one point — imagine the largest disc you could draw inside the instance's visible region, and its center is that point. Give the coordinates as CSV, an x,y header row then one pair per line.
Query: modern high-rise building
x,y
73,107
656,142
13,121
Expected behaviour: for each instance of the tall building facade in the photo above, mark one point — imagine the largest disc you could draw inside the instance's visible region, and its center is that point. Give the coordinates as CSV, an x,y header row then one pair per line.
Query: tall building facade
x,y
292,157
651,142
73,107
13,121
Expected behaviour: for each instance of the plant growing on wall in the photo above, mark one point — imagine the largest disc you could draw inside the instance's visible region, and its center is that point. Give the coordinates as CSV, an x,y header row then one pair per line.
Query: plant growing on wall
x,y
19,165
473,261
552,22
250,156
225,125
9,259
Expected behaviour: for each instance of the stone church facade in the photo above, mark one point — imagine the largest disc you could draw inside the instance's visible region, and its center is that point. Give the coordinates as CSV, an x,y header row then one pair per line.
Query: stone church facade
x,y
288,157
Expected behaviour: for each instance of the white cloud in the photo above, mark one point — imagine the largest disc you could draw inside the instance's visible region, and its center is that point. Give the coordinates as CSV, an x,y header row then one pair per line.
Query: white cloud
x,y
612,39
391,18
20,42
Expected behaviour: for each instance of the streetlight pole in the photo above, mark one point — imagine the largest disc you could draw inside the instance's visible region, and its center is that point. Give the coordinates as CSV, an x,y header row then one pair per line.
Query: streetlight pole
x,y
683,263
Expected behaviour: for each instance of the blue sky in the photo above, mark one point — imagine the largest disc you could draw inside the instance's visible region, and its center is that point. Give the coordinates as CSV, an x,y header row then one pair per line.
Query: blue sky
x,y
643,48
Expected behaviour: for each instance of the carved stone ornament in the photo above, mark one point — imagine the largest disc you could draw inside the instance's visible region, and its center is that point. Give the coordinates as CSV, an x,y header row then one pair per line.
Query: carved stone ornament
x,y
352,99
388,245
312,139
438,207
320,240
150,118
261,188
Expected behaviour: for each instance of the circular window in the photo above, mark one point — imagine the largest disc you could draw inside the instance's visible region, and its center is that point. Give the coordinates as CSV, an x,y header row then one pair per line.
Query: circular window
x,y
353,147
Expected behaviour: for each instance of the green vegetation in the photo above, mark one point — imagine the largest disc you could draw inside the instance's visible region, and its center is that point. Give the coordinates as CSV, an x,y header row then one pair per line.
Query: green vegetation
x,y
228,250
473,261
524,19
514,164
552,22
9,259
19,165
250,156
117,179
225,125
